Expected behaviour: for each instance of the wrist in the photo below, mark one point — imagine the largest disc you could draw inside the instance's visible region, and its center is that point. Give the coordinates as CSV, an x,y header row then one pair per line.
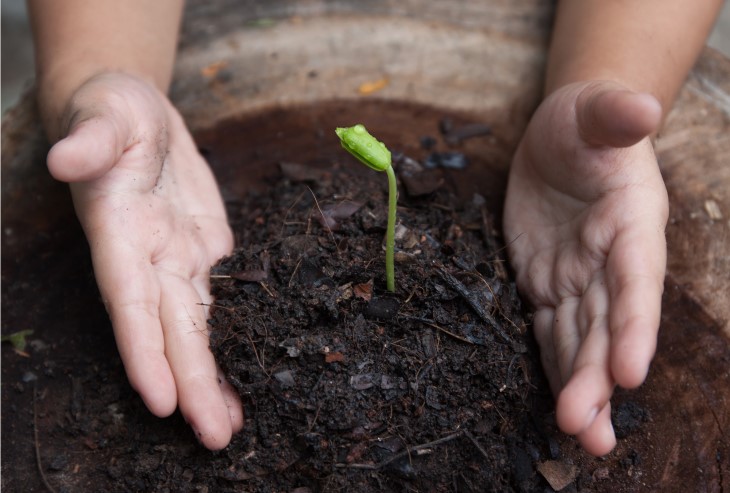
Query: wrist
x,y
647,47
57,85
558,77
78,39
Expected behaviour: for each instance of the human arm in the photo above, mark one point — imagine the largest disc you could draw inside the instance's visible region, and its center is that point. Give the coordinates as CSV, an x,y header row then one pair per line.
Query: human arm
x,y
76,39
647,47
146,199
586,206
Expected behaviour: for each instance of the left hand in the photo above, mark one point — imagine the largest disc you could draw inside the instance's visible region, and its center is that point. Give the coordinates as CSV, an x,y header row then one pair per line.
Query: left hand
x,y
584,221
155,222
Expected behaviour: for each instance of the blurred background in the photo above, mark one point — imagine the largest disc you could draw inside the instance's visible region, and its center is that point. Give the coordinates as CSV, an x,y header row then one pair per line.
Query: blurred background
x,y
17,50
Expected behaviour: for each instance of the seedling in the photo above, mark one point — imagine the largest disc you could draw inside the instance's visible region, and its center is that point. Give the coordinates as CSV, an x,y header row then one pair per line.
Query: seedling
x,y
373,154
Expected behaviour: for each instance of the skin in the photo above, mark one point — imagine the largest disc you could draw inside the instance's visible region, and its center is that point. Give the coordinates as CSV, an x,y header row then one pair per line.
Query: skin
x,y
147,201
586,205
584,214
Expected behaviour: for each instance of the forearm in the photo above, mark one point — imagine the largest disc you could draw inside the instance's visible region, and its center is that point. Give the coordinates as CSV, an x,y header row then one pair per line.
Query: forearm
x,y
647,45
76,39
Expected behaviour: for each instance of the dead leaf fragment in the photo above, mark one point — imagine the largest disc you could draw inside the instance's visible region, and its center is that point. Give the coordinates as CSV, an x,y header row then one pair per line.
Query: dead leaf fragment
x,y
404,257
558,474
18,340
332,214
364,290
356,452
334,357
713,210
210,71
373,86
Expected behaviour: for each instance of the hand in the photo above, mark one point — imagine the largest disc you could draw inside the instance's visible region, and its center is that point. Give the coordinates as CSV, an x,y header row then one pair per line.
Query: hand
x,y
584,220
155,222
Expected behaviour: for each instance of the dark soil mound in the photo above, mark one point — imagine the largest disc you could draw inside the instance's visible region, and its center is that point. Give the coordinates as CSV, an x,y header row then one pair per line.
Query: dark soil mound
x,y
347,386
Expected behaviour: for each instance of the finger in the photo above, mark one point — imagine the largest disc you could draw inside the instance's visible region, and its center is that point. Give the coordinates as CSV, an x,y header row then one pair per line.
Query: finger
x,y
591,385
186,342
599,439
131,294
616,117
543,328
95,142
636,268
566,336
230,395
233,402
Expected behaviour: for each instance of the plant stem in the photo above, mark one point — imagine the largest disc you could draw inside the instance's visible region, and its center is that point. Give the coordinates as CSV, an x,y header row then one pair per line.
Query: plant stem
x,y
390,232
372,153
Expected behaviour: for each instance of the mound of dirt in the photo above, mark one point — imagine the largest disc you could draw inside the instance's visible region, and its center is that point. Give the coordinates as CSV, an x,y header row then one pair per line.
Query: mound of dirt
x,y
345,385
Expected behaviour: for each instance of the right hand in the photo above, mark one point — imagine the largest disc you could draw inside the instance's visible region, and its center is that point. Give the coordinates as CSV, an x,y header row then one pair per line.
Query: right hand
x,y
584,220
155,222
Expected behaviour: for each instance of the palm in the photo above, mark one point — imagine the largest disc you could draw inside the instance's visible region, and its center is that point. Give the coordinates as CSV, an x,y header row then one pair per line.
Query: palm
x,y
155,222
585,221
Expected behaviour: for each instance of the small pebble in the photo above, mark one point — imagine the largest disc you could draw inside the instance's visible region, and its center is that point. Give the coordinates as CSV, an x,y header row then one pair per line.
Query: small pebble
x,y
427,142
448,160
601,473
362,382
285,378
29,376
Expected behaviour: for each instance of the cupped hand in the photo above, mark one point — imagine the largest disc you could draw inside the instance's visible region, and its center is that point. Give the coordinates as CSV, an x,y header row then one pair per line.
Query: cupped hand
x,y
155,222
584,220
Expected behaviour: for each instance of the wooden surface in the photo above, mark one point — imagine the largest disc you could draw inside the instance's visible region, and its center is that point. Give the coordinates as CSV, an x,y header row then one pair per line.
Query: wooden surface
x,y
694,155
241,57
477,56
484,57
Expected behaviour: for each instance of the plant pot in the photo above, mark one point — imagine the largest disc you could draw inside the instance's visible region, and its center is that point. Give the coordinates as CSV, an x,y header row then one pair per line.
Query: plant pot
x,y
68,400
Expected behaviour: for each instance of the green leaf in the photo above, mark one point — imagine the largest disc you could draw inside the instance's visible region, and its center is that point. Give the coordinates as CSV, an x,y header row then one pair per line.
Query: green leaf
x,y
17,339
366,148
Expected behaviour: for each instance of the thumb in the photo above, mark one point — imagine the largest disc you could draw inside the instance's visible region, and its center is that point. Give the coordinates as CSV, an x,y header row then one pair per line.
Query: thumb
x,y
93,145
616,117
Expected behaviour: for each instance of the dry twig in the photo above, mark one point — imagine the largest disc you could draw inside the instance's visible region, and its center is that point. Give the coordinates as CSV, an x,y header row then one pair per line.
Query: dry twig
x,y
463,291
433,324
468,434
324,218
407,452
37,443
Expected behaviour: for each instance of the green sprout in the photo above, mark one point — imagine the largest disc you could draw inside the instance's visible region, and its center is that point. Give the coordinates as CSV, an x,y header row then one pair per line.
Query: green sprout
x,y
17,339
373,154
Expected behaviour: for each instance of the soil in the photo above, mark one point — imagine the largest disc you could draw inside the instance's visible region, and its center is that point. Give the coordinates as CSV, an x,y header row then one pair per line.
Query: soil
x,y
430,388
412,391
